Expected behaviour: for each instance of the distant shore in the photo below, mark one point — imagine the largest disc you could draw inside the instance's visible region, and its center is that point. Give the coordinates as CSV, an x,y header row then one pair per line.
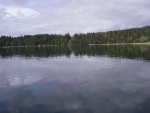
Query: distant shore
x,y
29,46
146,43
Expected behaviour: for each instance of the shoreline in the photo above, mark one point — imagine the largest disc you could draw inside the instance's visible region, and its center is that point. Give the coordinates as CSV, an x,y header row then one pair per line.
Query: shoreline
x,y
29,46
147,43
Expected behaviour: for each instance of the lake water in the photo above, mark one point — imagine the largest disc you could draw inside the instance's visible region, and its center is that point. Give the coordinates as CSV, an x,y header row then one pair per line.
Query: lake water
x,y
83,79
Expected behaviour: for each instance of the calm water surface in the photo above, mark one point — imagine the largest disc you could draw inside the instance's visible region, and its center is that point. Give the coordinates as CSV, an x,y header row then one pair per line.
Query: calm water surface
x,y
85,79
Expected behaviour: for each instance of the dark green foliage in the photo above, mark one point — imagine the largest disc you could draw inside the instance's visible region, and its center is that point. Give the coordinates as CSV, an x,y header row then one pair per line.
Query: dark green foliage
x,y
133,35
35,40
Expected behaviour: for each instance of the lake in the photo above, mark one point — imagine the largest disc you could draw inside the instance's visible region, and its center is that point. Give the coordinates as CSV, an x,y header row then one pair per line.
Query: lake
x,y
83,79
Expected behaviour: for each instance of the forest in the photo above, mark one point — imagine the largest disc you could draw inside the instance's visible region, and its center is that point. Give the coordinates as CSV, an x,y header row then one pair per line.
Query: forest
x,y
133,35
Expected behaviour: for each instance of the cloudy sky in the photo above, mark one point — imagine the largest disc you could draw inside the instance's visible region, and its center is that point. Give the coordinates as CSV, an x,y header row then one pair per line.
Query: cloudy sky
x,y
20,17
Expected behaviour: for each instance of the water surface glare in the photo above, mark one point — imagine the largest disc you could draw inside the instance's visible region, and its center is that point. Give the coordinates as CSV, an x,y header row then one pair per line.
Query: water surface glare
x,y
86,79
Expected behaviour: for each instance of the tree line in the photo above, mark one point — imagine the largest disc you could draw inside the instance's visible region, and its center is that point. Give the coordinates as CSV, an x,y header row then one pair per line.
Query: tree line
x,y
133,35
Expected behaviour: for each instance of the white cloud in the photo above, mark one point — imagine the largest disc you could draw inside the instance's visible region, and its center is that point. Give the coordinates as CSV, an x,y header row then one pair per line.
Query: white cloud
x,y
57,16
19,12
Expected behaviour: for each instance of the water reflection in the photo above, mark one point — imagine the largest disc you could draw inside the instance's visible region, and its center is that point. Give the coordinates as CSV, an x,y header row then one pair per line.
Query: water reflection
x,y
124,51
89,79
68,98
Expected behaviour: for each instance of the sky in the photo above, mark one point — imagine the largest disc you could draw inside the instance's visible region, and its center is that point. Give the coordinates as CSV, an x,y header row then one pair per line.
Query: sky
x,y
22,17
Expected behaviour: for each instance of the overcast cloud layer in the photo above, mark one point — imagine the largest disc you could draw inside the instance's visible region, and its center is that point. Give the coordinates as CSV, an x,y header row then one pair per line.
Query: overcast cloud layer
x,y
20,17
